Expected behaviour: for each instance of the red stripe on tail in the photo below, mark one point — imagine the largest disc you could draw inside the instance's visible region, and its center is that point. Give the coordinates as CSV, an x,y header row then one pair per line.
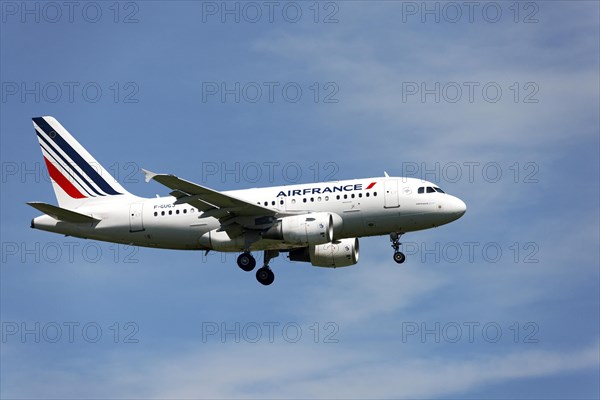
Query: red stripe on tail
x,y
62,181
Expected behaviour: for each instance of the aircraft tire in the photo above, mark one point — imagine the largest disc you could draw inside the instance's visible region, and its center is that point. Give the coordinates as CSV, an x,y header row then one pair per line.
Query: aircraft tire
x,y
246,262
399,257
265,276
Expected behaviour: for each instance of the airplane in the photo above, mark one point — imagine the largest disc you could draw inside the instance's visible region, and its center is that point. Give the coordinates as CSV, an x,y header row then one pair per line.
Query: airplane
x,y
319,223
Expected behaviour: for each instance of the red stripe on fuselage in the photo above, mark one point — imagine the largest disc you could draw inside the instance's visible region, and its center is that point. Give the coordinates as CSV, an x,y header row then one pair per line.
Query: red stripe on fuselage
x,y
371,185
62,181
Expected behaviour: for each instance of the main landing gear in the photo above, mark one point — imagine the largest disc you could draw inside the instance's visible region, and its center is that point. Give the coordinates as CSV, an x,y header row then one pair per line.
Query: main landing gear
x,y
246,261
264,274
399,256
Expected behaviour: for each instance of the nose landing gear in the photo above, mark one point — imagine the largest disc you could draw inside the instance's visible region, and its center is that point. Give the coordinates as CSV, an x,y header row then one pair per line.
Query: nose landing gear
x,y
399,256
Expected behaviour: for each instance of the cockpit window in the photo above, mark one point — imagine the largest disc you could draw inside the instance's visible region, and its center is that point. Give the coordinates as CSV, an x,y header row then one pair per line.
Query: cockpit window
x,y
437,189
430,189
421,190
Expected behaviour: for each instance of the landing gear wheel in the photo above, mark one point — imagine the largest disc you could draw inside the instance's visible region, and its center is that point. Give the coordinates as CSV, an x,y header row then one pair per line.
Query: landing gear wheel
x,y
246,262
399,257
265,276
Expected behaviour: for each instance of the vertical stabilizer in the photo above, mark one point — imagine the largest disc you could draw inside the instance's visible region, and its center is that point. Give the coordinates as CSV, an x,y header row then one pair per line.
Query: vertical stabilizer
x,y
76,176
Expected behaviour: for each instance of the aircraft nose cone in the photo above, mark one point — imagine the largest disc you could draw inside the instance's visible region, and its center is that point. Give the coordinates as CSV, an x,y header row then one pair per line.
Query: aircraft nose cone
x,y
458,207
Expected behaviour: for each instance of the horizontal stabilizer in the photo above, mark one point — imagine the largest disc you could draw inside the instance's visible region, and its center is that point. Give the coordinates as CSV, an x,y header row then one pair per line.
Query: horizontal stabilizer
x,y
62,214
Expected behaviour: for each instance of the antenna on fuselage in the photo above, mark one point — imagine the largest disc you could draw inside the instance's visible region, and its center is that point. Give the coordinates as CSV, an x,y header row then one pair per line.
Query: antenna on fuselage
x,y
386,174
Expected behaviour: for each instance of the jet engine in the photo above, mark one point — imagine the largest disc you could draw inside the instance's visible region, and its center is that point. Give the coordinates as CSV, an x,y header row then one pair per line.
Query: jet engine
x,y
220,241
339,253
306,229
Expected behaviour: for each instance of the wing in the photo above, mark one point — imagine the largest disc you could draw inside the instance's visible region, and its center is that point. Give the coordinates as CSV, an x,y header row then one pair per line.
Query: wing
x,y
233,213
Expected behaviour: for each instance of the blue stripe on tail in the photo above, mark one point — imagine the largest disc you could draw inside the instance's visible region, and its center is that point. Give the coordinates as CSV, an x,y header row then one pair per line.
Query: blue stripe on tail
x,y
66,147
46,146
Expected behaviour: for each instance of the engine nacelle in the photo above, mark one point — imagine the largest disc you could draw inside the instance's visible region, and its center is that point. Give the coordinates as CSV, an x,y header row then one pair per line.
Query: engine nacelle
x,y
220,241
306,229
340,253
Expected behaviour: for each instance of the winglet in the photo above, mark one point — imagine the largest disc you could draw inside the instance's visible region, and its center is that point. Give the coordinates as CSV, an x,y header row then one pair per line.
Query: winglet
x,y
148,175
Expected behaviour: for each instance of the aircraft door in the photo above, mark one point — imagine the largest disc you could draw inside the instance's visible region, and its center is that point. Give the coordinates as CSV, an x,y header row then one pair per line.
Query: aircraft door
x,y
136,222
391,194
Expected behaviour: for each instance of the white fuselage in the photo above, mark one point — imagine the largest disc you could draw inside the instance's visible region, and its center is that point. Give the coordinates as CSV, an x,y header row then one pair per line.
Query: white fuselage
x,y
367,207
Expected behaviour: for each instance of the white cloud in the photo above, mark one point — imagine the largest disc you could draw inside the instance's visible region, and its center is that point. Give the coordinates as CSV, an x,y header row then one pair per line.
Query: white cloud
x,y
371,68
295,370
372,290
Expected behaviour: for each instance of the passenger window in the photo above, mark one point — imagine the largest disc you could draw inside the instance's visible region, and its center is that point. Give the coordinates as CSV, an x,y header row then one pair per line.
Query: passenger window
x,y
185,210
281,202
162,213
430,189
170,212
421,190
337,197
177,211
155,213
368,194
273,203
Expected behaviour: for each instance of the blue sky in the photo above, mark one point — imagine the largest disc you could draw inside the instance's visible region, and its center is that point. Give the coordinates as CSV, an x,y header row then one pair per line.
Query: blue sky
x,y
500,109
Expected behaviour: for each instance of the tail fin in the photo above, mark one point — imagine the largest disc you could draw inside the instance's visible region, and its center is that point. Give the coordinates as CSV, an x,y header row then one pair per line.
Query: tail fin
x,y
76,176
